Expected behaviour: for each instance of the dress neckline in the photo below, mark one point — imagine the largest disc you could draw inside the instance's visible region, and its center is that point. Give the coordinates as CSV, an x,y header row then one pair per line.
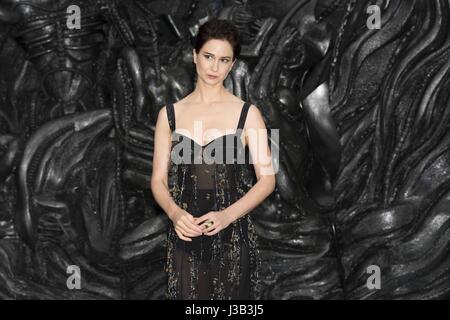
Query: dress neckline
x,y
240,126
207,144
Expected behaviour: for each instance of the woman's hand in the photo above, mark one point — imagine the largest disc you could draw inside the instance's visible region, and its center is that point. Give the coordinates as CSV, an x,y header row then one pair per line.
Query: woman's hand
x,y
185,225
214,221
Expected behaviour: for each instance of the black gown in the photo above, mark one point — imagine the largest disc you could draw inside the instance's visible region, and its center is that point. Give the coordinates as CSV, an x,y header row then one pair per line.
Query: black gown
x,y
225,265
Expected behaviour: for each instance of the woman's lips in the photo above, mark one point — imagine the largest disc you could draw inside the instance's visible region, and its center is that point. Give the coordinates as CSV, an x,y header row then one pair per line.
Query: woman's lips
x,y
212,77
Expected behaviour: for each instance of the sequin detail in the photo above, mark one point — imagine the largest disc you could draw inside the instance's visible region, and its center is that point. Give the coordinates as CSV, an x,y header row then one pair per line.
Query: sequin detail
x,y
226,265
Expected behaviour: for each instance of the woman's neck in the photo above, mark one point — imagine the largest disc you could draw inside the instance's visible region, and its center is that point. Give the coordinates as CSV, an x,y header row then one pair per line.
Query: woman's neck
x,y
205,93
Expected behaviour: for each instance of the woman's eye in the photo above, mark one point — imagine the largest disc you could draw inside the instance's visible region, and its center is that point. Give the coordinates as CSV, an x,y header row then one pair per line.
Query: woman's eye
x,y
207,57
225,60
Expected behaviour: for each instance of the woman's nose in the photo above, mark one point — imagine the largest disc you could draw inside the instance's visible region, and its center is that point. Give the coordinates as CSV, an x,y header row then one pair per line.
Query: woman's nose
x,y
216,65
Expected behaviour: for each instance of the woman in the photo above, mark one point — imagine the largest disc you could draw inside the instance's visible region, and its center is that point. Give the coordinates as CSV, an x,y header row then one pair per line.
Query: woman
x,y
211,244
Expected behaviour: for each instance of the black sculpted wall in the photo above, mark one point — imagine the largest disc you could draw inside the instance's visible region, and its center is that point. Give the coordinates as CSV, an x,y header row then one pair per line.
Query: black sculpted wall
x,y
358,91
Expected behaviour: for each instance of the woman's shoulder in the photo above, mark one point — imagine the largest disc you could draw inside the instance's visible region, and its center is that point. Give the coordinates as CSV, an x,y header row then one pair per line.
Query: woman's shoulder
x,y
163,112
235,101
255,118
185,101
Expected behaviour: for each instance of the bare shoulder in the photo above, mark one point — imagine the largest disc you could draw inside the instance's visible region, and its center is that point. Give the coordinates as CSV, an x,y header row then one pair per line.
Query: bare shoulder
x,y
254,118
254,110
184,102
236,99
163,113
234,103
163,119
254,114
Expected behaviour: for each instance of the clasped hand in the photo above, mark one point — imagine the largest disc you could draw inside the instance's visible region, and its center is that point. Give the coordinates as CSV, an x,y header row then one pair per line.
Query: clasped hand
x,y
187,226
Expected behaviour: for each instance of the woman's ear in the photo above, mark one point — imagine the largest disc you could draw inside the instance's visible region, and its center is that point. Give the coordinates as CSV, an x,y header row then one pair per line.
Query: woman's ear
x,y
194,56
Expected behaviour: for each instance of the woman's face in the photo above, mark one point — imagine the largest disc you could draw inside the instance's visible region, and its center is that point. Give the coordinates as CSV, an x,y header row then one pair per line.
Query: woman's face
x,y
214,61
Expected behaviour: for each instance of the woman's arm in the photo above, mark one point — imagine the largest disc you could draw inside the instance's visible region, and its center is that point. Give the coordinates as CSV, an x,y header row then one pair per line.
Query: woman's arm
x,y
256,135
183,221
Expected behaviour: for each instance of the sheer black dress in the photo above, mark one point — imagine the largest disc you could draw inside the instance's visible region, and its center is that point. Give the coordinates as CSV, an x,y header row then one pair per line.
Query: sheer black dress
x,y
225,265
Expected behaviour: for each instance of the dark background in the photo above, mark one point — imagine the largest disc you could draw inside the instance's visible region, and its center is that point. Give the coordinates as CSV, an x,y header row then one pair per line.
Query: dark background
x,y
364,157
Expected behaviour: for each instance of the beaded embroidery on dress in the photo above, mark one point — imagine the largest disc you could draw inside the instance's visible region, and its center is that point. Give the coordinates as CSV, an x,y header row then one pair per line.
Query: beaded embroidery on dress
x,y
225,265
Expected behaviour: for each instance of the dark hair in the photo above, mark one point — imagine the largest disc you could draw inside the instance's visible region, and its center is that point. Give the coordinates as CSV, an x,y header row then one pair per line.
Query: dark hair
x,y
221,30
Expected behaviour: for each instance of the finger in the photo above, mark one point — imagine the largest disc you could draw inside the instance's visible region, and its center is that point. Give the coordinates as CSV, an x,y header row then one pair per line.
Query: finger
x,y
202,219
213,232
182,237
190,221
191,218
209,226
186,232
194,227
191,230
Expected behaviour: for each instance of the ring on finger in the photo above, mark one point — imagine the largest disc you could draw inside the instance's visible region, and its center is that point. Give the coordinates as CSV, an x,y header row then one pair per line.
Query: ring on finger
x,y
208,224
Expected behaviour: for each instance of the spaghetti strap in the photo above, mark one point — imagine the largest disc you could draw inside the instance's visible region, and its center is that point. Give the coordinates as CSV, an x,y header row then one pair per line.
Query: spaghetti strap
x,y
225,265
171,116
243,116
